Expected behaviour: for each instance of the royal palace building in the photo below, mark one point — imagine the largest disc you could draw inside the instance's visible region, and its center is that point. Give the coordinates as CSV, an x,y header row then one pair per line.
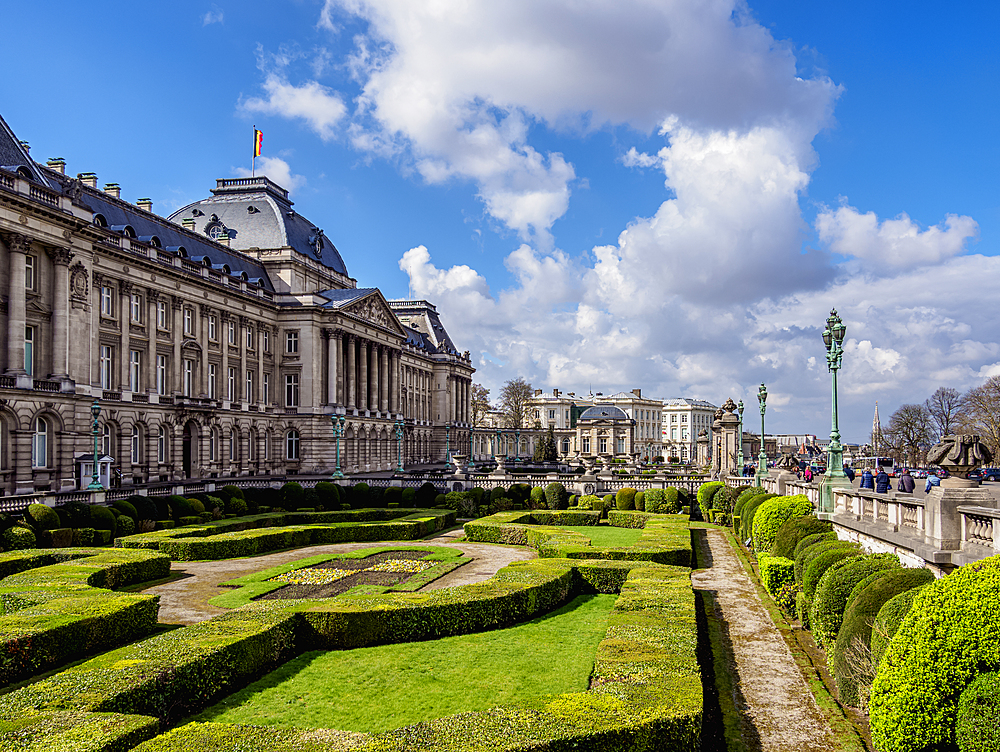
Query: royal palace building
x,y
217,342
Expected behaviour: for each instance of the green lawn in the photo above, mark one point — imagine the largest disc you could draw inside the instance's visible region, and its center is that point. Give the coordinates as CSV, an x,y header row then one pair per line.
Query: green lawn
x,y
605,536
382,688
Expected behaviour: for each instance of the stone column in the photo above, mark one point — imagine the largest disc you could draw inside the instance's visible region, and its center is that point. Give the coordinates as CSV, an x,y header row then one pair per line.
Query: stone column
x,y
124,315
152,296
331,366
383,380
95,346
363,376
241,374
373,376
203,314
60,314
222,383
177,335
260,374
17,247
351,373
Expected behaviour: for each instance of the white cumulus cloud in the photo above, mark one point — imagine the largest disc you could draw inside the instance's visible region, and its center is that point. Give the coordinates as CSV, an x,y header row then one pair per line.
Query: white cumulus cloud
x,y
320,107
277,170
215,15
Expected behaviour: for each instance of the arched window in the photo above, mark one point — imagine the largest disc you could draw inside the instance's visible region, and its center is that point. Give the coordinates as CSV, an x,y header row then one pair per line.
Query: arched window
x,y
134,446
161,445
252,445
267,445
565,446
233,438
292,445
40,443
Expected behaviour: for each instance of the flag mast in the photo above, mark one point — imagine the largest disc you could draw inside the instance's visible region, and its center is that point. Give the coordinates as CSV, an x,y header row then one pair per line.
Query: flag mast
x,y
258,142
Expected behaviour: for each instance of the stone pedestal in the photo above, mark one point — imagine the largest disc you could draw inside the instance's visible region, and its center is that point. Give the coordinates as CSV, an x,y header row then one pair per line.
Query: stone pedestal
x,y
781,478
942,521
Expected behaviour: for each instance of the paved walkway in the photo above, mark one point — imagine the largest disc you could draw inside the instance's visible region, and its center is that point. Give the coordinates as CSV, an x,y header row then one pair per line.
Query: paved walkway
x,y
778,711
186,600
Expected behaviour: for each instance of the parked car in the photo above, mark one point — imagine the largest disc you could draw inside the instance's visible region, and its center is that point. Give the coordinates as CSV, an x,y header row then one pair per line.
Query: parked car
x,y
991,473
921,474
975,475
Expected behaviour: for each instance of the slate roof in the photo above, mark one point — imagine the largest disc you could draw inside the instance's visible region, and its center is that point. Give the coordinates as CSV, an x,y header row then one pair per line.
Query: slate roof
x,y
14,156
257,213
340,298
603,412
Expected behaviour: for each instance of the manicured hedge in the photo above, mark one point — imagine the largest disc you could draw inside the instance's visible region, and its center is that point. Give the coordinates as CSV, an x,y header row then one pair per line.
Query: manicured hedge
x,y
748,513
826,554
705,493
772,514
951,634
75,731
888,621
855,635
803,550
625,499
41,517
833,590
978,727
745,495
794,530
775,571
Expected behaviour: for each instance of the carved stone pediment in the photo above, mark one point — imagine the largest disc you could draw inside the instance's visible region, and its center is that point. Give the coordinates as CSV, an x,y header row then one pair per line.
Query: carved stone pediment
x,y
374,309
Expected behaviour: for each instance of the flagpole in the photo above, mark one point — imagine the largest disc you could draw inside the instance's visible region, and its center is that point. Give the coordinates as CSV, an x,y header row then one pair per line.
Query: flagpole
x,y
253,160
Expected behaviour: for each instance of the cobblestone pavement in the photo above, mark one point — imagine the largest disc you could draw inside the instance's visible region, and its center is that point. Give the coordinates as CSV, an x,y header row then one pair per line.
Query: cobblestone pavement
x,y
186,600
778,711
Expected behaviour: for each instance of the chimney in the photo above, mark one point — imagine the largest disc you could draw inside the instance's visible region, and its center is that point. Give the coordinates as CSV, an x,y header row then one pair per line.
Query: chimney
x,y
538,392
555,392
188,223
89,179
26,147
58,164
637,392
223,240
113,189
146,204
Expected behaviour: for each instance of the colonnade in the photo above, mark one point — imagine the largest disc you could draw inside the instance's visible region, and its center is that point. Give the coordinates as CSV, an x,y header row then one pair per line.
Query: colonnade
x,y
362,375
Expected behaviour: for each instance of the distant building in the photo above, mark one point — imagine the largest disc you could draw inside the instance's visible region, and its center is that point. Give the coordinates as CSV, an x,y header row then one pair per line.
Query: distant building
x,y
682,420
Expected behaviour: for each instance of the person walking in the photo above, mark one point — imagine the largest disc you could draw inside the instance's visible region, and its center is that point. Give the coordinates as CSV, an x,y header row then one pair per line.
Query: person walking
x,y
808,474
906,484
849,472
882,482
867,480
932,481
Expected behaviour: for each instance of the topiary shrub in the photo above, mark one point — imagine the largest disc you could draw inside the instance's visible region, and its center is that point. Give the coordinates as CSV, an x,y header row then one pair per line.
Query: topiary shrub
x,y
196,505
126,526
671,501
291,496
360,496
536,500
179,507
101,518
817,565
408,498
806,543
77,514
802,609
745,495
228,492
625,498
519,493
772,514
328,495
746,518
393,495
640,501
426,495
853,665
724,500
16,538
556,496
775,572
793,530
237,505
705,493
591,502
951,634
834,589
887,622
41,517
652,500
978,721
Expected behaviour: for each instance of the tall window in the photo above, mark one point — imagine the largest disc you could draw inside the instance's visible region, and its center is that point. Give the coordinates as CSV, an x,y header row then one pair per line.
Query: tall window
x,y
106,440
188,320
621,445
161,445
231,385
252,446
231,329
136,308
267,341
134,445
212,333
188,377
291,342
266,389
107,362
134,370
292,445
212,377
161,315
29,350
604,445
161,374
40,443
232,446
267,445
107,301
291,390
249,333
29,272
586,445
213,444
249,392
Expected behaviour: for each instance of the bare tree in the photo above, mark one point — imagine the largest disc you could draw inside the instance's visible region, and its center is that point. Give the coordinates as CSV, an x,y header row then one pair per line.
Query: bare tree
x,y
514,405
946,406
909,433
480,404
982,413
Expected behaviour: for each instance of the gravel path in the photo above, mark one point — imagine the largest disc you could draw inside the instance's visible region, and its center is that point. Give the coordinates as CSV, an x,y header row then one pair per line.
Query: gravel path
x,y
778,711
185,601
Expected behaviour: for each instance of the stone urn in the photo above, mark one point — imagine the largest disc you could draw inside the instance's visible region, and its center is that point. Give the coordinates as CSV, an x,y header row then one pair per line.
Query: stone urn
x,y
459,460
960,454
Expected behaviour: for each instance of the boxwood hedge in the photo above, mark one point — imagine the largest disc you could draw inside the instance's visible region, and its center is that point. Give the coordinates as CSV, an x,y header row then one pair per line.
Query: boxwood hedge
x,y
705,493
978,728
772,514
745,495
951,634
855,635
834,589
806,548
888,620
748,513
775,572
818,560
794,530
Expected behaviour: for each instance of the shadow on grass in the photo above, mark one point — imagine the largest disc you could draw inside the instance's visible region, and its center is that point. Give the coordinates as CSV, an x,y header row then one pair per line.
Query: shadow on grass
x,y
724,724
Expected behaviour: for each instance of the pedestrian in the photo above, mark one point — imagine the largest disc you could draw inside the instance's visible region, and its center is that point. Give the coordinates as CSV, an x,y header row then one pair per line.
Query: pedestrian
x,y
932,481
882,481
867,480
808,474
906,483
849,472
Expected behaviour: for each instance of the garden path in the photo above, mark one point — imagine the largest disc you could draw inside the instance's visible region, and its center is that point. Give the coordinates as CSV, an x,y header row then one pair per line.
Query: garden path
x,y
778,712
186,600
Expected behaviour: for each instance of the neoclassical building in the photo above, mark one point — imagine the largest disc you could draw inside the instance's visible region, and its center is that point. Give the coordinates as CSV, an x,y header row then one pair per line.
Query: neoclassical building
x,y
218,341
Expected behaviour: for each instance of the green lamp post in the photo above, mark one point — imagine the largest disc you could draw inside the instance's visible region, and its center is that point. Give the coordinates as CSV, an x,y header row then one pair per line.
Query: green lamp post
x,y
739,438
447,446
95,480
338,432
762,459
399,445
833,339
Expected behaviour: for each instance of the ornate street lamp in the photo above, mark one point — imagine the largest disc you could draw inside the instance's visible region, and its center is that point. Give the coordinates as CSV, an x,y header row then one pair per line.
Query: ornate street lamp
x,y
399,445
338,432
762,459
739,439
517,445
95,481
833,339
447,446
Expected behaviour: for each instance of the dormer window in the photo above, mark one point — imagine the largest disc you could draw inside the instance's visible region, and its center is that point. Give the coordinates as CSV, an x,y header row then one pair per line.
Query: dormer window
x,y
215,230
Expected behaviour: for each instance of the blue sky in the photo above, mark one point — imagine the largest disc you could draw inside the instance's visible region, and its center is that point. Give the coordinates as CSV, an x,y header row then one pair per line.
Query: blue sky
x,y
633,194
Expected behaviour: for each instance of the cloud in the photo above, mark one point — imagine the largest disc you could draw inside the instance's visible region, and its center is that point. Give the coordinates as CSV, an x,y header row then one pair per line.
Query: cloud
x,y
320,107
213,16
894,243
277,170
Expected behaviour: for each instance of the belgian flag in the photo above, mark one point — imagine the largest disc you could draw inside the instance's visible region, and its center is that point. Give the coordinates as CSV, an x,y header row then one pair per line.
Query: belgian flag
x,y
258,141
